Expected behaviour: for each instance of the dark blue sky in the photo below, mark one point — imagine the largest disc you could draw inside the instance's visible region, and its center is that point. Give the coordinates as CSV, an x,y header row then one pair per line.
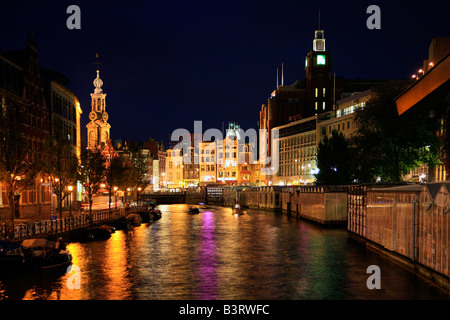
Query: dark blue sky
x,y
168,63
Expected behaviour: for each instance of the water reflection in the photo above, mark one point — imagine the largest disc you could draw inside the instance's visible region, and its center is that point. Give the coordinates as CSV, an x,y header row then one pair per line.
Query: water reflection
x,y
217,255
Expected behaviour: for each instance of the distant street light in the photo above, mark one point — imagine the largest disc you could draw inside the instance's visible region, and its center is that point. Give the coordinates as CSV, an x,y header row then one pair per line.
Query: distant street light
x,y
137,194
70,188
115,195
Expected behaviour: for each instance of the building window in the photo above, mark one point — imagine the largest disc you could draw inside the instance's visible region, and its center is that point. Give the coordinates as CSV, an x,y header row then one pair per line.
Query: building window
x,y
317,92
323,105
323,92
315,105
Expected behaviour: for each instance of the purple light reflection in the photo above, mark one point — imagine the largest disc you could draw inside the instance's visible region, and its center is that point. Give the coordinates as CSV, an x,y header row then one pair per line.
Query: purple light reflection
x,y
207,263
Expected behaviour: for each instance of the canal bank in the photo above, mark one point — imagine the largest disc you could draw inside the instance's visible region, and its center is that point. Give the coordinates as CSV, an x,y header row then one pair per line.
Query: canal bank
x,y
406,223
433,277
216,255
69,227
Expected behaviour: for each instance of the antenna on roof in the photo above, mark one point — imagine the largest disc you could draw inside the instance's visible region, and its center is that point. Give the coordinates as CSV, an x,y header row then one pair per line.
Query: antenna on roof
x,y
277,78
319,19
282,75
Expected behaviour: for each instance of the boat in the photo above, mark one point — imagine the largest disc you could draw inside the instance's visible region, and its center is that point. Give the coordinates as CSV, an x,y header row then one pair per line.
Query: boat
x,y
102,232
108,228
155,214
135,219
193,210
122,224
237,210
145,216
45,254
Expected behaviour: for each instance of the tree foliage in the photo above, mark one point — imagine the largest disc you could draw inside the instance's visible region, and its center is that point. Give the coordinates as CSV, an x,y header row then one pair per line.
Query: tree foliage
x,y
60,163
388,145
334,160
115,175
91,173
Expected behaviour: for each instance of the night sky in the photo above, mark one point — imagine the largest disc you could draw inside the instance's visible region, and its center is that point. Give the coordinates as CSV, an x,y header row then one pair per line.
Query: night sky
x,y
168,63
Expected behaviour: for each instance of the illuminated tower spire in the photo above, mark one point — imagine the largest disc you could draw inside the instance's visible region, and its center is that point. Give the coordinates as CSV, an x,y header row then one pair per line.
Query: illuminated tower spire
x,y
319,39
98,128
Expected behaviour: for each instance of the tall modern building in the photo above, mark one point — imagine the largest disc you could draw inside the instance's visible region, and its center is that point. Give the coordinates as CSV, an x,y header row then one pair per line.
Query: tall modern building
x,y
307,97
296,108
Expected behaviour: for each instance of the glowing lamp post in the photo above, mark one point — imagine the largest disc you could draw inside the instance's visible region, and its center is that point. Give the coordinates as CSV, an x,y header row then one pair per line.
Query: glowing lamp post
x,y
70,189
138,190
115,195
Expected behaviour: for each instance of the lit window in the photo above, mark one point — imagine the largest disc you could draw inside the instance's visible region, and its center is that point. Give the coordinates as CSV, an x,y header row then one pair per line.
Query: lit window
x,y
323,105
317,92
323,92
321,59
315,105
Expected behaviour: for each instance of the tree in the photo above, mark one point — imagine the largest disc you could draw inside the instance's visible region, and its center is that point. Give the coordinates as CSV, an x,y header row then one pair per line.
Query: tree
x,y
334,160
115,174
90,173
388,145
17,169
60,163
137,167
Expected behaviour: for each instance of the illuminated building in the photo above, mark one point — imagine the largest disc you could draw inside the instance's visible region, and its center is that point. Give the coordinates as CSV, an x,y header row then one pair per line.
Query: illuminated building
x,y
63,106
40,96
174,170
317,94
156,164
299,140
235,159
341,119
297,152
98,129
22,92
208,167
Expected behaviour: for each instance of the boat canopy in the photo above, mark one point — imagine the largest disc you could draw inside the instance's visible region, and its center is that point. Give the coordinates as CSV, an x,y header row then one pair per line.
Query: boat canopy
x,y
37,242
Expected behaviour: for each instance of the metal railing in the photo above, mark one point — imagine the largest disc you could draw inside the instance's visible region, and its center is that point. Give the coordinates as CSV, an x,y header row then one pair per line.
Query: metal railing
x,y
39,228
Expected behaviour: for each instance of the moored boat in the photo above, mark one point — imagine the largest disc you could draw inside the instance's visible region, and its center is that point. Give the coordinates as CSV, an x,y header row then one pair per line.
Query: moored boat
x,y
102,232
45,254
135,219
155,214
237,210
193,210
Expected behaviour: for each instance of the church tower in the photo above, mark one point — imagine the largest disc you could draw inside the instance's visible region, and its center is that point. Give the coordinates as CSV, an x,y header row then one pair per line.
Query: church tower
x,y
98,129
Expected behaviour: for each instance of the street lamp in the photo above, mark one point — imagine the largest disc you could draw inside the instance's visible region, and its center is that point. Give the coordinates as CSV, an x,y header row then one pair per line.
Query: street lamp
x,y
139,190
115,195
70,188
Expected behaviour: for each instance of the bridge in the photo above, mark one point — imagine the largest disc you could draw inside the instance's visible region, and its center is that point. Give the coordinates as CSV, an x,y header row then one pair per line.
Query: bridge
x,y
164,198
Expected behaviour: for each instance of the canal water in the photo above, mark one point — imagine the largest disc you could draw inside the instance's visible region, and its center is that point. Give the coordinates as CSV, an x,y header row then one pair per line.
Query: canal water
x,y
217,255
